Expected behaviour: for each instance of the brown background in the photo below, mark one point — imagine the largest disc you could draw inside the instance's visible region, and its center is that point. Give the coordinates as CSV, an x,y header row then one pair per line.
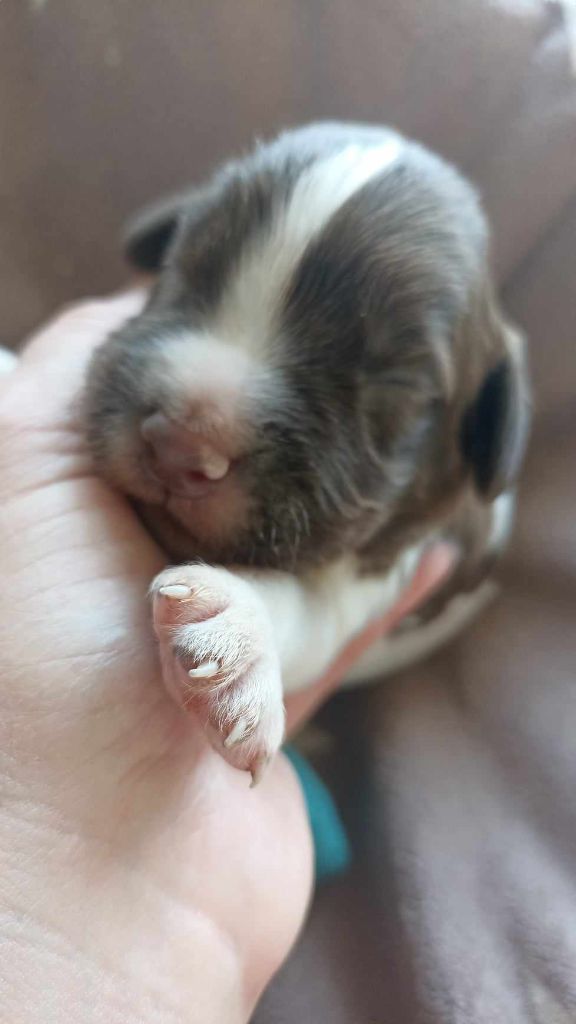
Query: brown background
x,y
105,104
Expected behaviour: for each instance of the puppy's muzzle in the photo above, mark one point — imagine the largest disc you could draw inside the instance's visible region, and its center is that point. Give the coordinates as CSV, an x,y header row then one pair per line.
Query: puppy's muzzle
x,y
188,462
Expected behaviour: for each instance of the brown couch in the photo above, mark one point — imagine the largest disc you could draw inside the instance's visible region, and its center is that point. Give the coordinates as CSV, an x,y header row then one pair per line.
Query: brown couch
x,y
457,779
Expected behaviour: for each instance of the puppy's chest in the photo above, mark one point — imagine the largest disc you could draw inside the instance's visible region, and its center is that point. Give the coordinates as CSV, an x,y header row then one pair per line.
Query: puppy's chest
x,y
415,640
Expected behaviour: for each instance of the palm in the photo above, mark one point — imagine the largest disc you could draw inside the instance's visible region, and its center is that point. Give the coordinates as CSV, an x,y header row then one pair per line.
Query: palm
x,y
125,786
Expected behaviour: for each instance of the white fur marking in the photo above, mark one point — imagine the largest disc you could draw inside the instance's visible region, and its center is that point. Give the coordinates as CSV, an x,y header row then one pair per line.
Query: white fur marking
x,y
246,314
313,620
8,360
502,518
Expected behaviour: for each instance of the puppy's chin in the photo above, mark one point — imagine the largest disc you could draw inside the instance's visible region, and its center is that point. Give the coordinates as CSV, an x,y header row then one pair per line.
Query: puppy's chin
x,y
206,527
175,540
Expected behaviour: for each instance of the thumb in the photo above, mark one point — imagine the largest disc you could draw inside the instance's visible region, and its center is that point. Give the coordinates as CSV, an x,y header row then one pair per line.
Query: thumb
x,y
39,423
52,364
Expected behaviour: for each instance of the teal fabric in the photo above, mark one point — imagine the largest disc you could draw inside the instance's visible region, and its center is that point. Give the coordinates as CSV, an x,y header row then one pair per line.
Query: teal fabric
x,y
331,846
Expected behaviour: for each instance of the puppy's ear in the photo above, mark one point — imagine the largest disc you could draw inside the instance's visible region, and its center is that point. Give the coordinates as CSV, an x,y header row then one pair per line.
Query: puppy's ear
x,y
148,237
495,425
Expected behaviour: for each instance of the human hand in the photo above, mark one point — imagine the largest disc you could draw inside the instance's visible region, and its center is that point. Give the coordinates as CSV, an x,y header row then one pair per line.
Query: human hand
x,y
142,879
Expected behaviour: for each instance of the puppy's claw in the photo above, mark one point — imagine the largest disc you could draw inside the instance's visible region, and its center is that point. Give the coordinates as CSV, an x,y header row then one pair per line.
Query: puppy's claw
x,y
237,733
175,591
258,771
220,661
205,670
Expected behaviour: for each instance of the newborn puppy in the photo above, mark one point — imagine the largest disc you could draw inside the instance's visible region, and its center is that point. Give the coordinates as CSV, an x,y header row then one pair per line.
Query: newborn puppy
x,y
320,384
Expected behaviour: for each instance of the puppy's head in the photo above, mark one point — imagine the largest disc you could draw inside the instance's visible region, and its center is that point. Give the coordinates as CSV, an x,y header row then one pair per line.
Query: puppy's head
x,y
320,362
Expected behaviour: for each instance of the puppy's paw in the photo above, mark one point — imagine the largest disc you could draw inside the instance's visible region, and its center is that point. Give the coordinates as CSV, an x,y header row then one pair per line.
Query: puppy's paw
x,y
219,657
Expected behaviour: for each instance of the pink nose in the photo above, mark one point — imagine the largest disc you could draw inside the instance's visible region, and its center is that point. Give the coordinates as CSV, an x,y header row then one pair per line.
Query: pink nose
x,y
185,460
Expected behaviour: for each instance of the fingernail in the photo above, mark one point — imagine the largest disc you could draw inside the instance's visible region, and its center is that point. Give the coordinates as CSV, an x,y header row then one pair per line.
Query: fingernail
x,y
177,591
207,668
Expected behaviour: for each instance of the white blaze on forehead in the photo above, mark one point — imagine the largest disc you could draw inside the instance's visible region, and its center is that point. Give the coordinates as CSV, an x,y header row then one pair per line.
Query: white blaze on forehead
x,y
253,296
204,381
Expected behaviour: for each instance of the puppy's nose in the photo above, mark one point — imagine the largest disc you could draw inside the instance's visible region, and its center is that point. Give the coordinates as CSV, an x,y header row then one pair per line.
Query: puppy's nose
x,y
183,458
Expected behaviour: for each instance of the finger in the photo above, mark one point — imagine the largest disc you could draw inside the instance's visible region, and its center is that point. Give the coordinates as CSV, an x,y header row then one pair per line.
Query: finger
x,y
45,468
82,326
435,567
52,367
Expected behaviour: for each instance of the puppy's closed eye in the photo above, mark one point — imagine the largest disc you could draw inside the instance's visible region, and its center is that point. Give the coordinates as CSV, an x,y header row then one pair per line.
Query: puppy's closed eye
x,y
149,235
495,430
